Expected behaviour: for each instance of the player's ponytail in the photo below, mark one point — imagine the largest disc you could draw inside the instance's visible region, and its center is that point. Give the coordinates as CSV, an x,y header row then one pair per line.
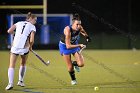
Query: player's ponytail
x,y
30,15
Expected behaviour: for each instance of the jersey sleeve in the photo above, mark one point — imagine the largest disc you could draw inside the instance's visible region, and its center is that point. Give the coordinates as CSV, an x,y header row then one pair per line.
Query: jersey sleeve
x,y
33,28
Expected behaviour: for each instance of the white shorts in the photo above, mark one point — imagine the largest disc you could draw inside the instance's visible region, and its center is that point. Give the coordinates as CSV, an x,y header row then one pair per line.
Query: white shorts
x,y
19,51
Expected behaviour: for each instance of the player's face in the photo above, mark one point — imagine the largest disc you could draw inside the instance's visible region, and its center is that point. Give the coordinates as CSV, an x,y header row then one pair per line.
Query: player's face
x,y
76,25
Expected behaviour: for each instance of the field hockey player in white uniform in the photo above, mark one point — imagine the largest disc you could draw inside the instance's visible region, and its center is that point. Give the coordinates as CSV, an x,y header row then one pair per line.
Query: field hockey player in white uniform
x,y
23,41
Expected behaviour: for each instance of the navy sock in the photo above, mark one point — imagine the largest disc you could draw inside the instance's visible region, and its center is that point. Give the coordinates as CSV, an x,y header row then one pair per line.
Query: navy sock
x,y
74,63
72,75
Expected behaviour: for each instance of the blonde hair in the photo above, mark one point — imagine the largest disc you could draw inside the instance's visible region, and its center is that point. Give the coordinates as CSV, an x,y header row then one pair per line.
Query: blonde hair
x,y
30,15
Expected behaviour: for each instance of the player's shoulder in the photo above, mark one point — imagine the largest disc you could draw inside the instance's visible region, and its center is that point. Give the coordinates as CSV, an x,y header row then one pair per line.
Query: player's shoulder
x,y
31,24
20,22
67,28
23,22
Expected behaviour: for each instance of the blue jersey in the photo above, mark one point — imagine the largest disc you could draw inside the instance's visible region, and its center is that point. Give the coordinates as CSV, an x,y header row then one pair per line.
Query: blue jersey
x,y
74,36
74,40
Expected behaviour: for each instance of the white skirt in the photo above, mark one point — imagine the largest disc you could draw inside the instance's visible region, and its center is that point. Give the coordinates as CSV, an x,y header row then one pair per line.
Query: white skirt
x,y
19,51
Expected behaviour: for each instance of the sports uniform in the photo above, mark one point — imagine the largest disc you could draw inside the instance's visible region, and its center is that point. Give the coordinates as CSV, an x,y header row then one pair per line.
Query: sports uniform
x,y
74,40
68,45
21,39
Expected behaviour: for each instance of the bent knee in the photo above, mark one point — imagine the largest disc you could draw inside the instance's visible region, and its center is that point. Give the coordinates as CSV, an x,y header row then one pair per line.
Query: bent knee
x,y
81,65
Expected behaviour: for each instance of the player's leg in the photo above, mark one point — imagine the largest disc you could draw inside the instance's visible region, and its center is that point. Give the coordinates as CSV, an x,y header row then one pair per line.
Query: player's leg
x,y
22,70
79,61
67,58
13,58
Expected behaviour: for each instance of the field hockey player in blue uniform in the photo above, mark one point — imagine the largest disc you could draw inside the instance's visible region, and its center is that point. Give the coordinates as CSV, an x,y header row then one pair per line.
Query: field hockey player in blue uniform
x,y
68,46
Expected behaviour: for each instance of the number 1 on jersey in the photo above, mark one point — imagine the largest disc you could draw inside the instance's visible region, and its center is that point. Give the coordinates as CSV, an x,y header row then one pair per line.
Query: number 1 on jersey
x,y
23,28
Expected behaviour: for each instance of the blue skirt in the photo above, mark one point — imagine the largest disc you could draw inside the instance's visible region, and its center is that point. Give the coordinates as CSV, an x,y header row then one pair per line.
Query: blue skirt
x,y
63,49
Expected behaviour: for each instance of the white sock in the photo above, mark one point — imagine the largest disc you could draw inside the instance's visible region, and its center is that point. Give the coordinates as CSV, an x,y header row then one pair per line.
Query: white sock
x,y
11,75
22,71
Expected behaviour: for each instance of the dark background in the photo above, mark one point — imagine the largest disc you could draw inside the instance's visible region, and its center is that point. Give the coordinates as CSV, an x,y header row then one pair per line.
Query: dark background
x,y
121,14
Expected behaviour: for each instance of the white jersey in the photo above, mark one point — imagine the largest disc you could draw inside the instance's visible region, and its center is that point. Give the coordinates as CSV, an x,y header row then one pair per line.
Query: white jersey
x,y
23,30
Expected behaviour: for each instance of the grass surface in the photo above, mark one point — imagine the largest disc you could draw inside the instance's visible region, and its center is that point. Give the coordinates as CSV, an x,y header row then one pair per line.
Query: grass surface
x,y
113,71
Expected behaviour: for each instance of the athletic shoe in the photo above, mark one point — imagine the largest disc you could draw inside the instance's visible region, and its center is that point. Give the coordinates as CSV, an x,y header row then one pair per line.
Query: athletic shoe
x,y
73,82
9,87
20,83
77,68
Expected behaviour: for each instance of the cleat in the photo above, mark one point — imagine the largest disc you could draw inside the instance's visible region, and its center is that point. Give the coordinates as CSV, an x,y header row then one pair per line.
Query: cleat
x,y
76,68
9,87
73,82
20,83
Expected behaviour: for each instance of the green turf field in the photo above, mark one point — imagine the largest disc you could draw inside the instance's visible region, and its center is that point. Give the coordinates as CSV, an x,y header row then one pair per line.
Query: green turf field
x,y
113,71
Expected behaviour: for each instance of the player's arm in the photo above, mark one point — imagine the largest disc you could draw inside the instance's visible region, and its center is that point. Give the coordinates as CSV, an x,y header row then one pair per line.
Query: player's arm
x,y
84,33
11,29
67,39
31,40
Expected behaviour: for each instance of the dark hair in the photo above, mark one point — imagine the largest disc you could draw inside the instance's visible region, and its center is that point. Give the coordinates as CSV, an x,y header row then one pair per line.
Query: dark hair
x,y
76,16
30,15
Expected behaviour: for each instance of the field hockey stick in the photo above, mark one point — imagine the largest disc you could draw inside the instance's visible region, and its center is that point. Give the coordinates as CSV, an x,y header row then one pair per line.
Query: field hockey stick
x,y
82,49
85,45
46,63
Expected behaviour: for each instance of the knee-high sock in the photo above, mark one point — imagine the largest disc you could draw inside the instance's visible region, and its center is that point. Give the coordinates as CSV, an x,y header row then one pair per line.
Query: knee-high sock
x,y
22,71
72,75
11,75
